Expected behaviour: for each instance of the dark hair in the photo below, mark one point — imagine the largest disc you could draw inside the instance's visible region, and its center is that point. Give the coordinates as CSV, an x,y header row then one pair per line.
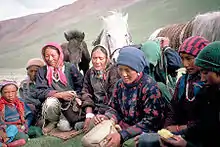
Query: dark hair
x,y
52,47
99,47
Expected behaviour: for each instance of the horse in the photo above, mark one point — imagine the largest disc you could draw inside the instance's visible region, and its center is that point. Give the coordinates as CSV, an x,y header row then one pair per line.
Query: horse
x,y
114,34
206,25
75,50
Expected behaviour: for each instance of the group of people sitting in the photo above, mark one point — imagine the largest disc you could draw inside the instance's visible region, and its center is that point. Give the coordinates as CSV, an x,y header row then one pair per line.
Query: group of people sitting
x,y
138,92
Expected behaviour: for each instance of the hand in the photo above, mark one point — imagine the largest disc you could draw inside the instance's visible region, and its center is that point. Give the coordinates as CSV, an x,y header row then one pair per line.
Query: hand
x,y
114,140
99,118
3,134
86,124
136,139
78,101
176,141
164,41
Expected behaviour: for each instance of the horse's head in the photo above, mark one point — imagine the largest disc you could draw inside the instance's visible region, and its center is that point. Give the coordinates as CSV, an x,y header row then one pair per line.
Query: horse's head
x,y
115,33
74,46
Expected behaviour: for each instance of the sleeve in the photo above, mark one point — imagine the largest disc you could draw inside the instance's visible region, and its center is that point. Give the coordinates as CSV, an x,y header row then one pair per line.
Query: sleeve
x,y
114,111
2,122
153,113
87,91
77,78
28,113
172,112
193,133
113,78
27,95
43,89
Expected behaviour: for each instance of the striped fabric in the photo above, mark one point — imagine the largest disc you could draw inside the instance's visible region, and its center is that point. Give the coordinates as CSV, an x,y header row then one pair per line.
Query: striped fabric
x,y
193,45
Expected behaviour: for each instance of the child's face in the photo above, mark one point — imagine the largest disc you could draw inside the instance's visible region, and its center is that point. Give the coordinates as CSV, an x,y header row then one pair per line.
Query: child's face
x,y
31,72
9,92
188,63
211,78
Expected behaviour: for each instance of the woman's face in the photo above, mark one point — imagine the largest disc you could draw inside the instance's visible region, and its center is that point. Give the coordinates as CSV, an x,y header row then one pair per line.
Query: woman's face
x,y
51,56
99,60
32,71
211,78
9,92
188,63
127,74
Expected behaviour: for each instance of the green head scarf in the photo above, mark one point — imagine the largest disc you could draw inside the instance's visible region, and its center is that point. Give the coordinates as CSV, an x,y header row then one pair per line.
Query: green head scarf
x,y
152,51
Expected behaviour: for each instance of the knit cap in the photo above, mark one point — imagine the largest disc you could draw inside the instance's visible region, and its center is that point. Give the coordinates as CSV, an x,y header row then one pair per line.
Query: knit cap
x,y
209,57
193,45
5,82
133,58
35,62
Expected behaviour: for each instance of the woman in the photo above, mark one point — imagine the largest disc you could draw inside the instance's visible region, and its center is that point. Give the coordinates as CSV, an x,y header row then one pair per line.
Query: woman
x,y
15,115
136,103
206,131
98,84
163,62
57,84
27,88
182,116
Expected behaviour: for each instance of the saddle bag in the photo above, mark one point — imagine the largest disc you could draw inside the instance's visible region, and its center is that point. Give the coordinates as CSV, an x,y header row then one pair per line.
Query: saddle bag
x,y
97,136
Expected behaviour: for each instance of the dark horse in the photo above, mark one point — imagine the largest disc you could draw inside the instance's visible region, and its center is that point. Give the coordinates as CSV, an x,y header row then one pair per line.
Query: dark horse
x,y
75,50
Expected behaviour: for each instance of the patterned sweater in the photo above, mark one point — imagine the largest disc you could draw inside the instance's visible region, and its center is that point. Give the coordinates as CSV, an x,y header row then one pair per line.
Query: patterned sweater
x,y
137,107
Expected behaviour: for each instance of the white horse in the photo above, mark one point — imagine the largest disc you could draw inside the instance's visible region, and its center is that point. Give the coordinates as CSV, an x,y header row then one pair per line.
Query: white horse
x,y
115,34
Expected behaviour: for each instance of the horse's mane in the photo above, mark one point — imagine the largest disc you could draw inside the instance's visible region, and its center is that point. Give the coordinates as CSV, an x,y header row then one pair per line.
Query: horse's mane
x,y
207,25
74,34
98,39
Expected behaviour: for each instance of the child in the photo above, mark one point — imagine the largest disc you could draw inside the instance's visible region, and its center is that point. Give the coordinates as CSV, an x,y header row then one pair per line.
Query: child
x,y
13,111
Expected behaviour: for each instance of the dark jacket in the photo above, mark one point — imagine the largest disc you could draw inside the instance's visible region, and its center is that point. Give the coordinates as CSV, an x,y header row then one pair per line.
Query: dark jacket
x,y
182,109
74,79
206,131
28,92
96,92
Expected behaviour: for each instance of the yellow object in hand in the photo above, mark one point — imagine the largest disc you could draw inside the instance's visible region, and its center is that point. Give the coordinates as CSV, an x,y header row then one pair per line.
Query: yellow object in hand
x,y
165,133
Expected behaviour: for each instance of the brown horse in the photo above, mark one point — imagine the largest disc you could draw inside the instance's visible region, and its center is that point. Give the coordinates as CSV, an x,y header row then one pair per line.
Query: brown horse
x,y
75,50
206,25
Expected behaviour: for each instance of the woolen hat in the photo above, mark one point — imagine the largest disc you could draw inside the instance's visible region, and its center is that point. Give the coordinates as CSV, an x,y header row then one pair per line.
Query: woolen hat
x,y
35,62
209,57
193,45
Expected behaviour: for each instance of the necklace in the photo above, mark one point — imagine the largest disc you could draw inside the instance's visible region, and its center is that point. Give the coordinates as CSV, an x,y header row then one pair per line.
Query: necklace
x,y
187,93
